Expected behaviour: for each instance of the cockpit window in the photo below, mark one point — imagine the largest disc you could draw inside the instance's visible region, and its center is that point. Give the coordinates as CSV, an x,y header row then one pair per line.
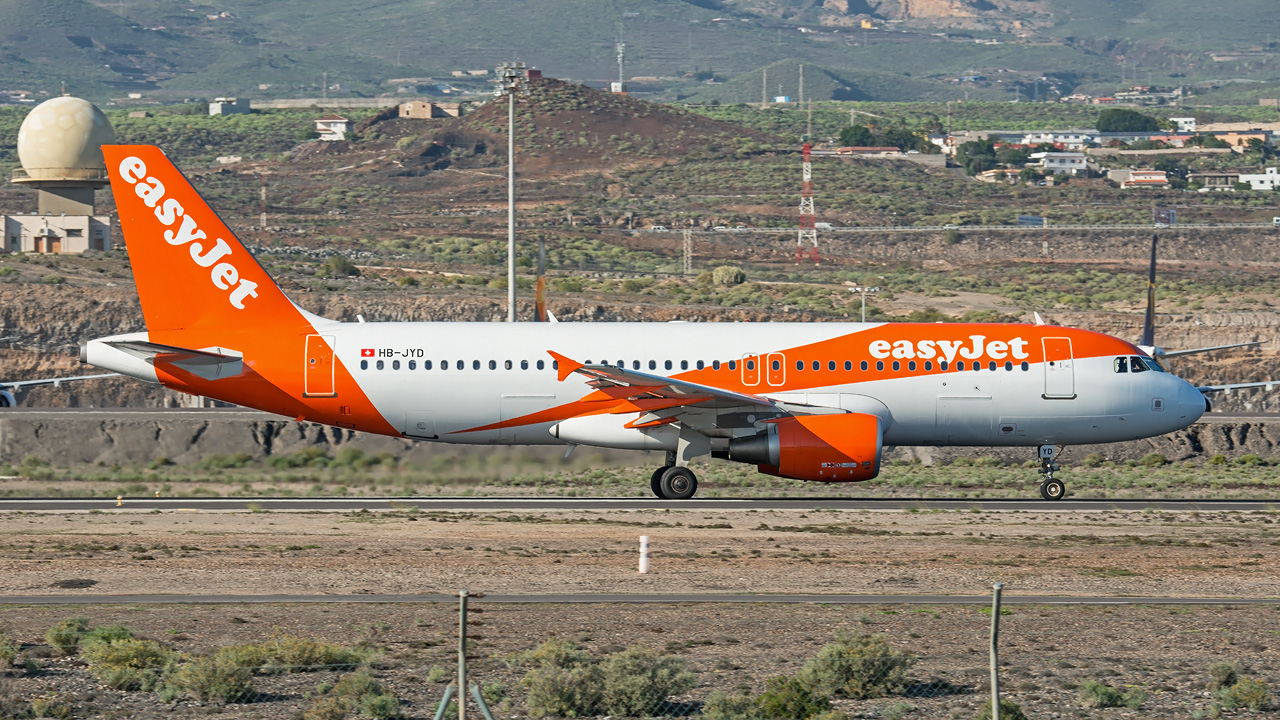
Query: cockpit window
x,y
1122,365
1137,364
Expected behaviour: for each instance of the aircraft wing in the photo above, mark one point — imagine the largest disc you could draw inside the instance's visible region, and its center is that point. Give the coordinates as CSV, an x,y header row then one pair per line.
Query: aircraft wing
x,y
1268,384
52,381
1193,351
618,383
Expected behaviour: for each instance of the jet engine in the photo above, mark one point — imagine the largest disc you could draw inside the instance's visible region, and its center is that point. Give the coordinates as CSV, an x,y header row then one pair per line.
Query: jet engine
x,y
832,448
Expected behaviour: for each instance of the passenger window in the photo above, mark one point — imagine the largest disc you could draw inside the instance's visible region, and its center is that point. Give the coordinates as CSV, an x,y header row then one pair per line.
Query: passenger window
x,y
960,365
1008,366
943,365
1137,365
395,364
863,365
715,364
684,364
667,365
524,364
831,364
507,365
364,364
380,365
733,364
475,364
751,364
460,365
897,365
555,364
635,364
880,365
541,364
493,365
1025,366
817,365
700,366
928,365
799,364
413,364
911,365
991,366
426,364
1122,365
653,364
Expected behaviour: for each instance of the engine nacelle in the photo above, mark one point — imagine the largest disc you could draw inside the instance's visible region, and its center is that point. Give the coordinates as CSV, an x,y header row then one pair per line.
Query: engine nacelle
x,y
830,448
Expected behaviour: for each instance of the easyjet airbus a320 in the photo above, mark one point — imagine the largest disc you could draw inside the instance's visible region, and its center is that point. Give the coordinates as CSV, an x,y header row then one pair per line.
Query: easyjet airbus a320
x,y
810,401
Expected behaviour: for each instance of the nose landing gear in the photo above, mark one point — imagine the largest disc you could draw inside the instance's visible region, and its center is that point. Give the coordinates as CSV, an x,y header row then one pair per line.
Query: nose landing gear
x,y
1051,488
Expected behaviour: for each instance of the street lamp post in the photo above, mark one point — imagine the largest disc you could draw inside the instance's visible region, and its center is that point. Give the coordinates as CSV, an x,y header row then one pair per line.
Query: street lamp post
x,y
863,292
511,79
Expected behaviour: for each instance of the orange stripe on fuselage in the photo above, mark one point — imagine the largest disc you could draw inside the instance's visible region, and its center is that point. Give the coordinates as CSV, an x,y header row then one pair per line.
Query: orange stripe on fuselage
x,y
1016,343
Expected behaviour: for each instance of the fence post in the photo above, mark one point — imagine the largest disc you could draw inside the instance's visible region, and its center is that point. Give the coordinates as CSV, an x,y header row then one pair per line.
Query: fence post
x,y
995,651
462,654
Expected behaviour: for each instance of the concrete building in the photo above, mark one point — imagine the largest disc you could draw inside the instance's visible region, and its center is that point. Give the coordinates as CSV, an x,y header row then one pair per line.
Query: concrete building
x,y
1268,180
1071,163
229,106
1214,180
333,127
1184,124
1068,139
425,109
1139,178
60,148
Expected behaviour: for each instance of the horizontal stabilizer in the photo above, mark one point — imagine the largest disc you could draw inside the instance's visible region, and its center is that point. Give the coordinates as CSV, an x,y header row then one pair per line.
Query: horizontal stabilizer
x,y
1268,384
53,381
209,363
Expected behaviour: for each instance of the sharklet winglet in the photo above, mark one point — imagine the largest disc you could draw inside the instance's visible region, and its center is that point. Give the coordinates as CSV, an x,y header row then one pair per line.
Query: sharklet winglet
x,y
565,366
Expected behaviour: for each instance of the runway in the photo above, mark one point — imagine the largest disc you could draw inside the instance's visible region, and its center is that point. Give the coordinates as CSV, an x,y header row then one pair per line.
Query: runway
x,y
636,599
507,504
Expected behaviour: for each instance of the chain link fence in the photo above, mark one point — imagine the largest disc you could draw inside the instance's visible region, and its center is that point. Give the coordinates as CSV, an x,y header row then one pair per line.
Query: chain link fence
x,y
82,671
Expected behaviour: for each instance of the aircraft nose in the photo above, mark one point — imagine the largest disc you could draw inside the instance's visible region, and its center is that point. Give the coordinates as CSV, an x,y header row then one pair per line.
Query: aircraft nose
x,y
1191,402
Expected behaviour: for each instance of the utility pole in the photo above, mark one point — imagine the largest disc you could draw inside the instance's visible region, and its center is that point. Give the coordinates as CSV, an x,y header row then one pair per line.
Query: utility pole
x,y
324,91
808,231
512,80
262,220
688,252
764,88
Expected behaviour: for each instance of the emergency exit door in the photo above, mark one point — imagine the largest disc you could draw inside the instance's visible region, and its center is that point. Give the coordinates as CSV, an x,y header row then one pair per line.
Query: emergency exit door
x,y
318,375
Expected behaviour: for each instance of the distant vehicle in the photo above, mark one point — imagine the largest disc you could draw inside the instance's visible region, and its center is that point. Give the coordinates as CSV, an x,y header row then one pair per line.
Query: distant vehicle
x,y
949,226
822,226
658,228
720,227
1275,221
739,227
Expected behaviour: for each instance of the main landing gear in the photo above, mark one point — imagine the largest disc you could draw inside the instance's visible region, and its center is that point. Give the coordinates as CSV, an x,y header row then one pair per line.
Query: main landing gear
x,y
672,482
1051,488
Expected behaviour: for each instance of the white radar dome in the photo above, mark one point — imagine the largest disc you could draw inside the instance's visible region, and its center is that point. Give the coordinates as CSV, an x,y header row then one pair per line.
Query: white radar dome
x,y
63,138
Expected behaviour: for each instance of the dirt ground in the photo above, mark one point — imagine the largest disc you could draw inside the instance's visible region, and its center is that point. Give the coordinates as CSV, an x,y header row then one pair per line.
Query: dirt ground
x,y
1047,650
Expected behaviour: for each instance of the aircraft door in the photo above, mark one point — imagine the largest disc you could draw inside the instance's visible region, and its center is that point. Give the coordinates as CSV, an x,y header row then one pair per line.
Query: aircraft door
x,y
318,374
776,369
1059,373
750,370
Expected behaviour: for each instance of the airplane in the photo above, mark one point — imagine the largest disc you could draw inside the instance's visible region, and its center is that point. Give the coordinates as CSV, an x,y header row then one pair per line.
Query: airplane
x,y
8,400
807,401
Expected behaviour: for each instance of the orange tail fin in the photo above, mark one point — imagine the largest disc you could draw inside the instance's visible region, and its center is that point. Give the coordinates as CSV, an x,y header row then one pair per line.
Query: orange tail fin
x,y
192,272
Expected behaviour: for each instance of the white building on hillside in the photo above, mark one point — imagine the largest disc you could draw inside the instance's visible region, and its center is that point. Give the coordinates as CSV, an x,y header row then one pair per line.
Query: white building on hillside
x,y
1268,180
1054,163
333,127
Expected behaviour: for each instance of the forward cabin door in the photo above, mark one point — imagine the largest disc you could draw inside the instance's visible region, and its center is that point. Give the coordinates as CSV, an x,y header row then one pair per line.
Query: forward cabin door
x,y
318,375
1059,373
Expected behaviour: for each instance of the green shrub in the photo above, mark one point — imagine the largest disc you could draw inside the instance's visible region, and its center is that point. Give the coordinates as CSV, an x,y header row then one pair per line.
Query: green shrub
x,y
637,681
1153,460
719,706
127,663
562,691
1222,675
107,633
382,706
8,651
286,653
789,698
899,710
65,636
211,678
50,707
728,275
357,685
328,708
1009,710
551,653
1094,694
1244,693
859,667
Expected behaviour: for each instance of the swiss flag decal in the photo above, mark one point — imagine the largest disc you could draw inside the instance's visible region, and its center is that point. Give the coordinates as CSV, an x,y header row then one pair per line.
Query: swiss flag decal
x,y
366,352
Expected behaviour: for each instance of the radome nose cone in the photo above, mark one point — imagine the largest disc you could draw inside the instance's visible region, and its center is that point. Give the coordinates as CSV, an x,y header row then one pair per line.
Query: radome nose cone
x,y
1191,401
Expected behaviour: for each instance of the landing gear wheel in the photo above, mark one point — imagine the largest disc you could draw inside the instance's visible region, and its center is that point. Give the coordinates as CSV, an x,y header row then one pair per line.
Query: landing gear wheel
x,y
1052,489
678,483
655,481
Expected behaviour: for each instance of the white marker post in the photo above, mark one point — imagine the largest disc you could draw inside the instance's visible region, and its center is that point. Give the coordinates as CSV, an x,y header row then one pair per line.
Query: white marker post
x,y
644,554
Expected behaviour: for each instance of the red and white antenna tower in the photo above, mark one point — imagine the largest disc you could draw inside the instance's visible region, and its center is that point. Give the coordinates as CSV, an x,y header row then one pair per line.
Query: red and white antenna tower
x,y
807,240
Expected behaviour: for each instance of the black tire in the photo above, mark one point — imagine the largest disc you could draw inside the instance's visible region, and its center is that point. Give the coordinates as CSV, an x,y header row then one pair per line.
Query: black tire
x,y
1053,490
655,481
679,483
